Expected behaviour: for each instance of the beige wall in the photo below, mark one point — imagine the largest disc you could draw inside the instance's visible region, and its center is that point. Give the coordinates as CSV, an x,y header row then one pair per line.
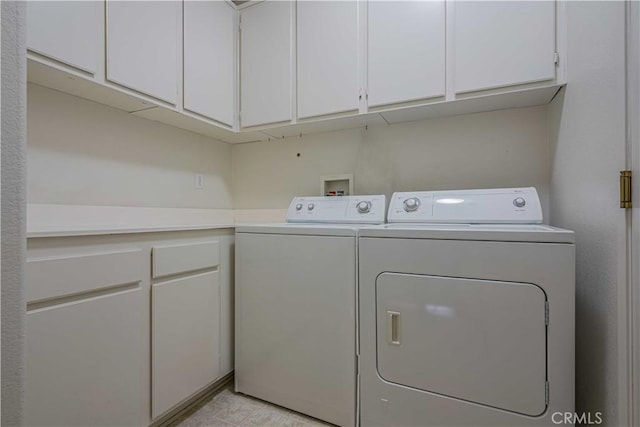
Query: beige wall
x,y
506,148
588,151
81,152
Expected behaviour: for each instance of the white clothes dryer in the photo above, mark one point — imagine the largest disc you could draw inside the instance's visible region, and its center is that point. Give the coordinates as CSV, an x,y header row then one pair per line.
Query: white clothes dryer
x,y
295,342
466,312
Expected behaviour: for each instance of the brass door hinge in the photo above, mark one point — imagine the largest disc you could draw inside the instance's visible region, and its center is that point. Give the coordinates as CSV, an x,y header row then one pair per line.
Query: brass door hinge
x,y
625,190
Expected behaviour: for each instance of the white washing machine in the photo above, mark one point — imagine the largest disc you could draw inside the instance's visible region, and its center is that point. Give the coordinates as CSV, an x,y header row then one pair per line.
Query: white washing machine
x,y
295,305
466,312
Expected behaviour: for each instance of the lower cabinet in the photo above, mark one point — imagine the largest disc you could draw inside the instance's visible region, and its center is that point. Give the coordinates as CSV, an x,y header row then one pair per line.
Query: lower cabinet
x,y
185,338
113,338
185,313
84,359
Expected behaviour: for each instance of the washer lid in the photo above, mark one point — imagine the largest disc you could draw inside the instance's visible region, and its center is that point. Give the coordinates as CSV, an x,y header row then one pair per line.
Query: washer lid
x,y
498,206
299,229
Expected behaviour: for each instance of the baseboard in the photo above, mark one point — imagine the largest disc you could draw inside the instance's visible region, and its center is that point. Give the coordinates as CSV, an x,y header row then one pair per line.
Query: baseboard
x,y
181,409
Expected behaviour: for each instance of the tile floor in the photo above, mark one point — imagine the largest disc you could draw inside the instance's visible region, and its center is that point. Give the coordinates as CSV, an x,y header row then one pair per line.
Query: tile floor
x,y
229,409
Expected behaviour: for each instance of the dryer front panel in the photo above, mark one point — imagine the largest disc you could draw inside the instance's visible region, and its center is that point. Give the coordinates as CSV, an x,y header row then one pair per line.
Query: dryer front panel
x,y
480,341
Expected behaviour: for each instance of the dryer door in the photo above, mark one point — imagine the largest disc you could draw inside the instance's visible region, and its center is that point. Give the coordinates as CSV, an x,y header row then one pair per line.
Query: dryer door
x,y
477,340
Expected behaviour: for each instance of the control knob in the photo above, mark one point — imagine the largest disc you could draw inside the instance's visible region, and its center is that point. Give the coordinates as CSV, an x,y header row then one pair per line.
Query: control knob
x,y
519,202
411,204
364,207
310,206
299,207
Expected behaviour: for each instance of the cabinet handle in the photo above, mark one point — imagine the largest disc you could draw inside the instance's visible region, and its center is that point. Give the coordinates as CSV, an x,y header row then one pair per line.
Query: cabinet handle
x,y
393,327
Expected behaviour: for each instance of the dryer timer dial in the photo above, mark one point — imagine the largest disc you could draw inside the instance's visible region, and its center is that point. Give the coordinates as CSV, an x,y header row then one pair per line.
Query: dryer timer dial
x,y
411,204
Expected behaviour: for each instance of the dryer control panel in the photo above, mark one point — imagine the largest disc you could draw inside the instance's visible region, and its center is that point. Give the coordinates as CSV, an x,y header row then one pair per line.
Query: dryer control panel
x,y
338,210
489,206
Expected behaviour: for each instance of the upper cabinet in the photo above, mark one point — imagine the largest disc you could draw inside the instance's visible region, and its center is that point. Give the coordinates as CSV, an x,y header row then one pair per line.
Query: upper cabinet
x,y
272,68
406,51
266,63
66,31
327,57
209,59
142,46
503,43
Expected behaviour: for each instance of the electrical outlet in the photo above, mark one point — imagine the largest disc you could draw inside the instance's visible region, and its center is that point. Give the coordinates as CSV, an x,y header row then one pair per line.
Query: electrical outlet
x,y
199,184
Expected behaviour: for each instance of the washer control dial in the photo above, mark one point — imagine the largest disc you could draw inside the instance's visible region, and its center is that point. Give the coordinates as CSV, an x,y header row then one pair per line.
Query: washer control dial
x,y
364,207
519,202
310,206
411,204
299,207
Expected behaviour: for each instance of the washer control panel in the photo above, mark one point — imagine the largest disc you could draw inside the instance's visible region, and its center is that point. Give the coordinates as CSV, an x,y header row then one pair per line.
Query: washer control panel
x,y
496,205
338,210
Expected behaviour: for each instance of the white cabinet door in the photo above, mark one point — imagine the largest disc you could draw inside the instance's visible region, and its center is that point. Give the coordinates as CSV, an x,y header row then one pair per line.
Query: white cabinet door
x,y
142,46
406,46
502,43
265,63
66,31
85,362
209,59
87,332
327,57
184,338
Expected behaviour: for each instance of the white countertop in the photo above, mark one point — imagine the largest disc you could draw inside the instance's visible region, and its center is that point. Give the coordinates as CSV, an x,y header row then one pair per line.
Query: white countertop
x,y
82,220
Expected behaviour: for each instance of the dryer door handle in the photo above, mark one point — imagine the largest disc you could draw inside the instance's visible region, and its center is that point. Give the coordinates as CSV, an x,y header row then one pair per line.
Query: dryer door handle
x,y
393,327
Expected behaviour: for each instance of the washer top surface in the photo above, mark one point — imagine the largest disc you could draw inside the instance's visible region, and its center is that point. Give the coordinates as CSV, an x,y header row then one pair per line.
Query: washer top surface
x,y
299,229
